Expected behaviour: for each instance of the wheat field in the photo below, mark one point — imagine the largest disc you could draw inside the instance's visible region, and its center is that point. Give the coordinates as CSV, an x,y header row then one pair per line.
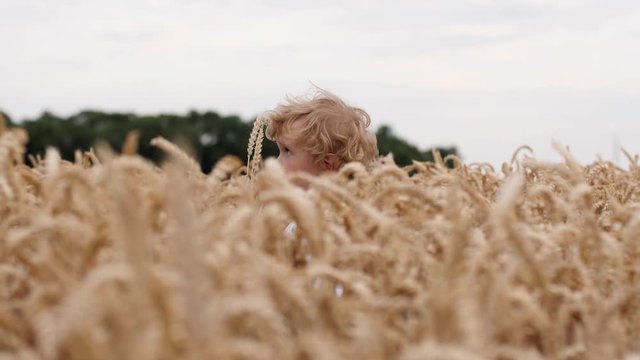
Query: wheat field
x,y
112,257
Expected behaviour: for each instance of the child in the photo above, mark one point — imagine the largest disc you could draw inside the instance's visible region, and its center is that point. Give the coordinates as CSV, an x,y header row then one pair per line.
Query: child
x,y
320,133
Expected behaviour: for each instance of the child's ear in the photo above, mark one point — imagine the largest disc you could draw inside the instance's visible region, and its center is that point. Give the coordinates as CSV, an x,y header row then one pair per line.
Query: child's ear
x,y
330,162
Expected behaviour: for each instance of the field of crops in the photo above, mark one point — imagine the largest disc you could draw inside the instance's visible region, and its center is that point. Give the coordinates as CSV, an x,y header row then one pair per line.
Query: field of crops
x,y
111,257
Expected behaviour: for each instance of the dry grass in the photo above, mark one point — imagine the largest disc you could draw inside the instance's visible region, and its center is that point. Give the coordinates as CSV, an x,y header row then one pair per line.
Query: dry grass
x,y
113,258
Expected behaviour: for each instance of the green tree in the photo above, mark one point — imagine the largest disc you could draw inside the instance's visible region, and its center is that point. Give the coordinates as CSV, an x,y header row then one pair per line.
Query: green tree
x,y
209,135
404,152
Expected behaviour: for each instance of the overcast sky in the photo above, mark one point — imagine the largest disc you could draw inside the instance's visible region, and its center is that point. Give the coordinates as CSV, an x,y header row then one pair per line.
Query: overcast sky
x,y
484,75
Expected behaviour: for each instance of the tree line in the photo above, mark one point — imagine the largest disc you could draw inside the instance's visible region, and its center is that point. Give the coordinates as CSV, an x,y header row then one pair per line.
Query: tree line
x,y
209,135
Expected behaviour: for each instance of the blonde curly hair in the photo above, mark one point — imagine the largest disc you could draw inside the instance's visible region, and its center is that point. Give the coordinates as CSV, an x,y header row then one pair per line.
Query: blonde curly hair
x,y
323,124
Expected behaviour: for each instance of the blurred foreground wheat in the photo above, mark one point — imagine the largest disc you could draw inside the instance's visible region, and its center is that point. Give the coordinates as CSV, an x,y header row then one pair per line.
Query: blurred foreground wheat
x,y
111,257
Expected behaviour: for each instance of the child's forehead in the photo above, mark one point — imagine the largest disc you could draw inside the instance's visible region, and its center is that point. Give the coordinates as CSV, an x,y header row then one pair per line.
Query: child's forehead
x,y
288,138
290,134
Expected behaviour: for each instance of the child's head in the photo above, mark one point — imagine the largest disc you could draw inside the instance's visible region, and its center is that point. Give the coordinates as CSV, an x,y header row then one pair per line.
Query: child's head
x,y
320,133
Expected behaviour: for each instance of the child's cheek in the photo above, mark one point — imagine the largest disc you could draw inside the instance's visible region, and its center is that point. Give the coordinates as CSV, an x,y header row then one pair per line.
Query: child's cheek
x,y
283,162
